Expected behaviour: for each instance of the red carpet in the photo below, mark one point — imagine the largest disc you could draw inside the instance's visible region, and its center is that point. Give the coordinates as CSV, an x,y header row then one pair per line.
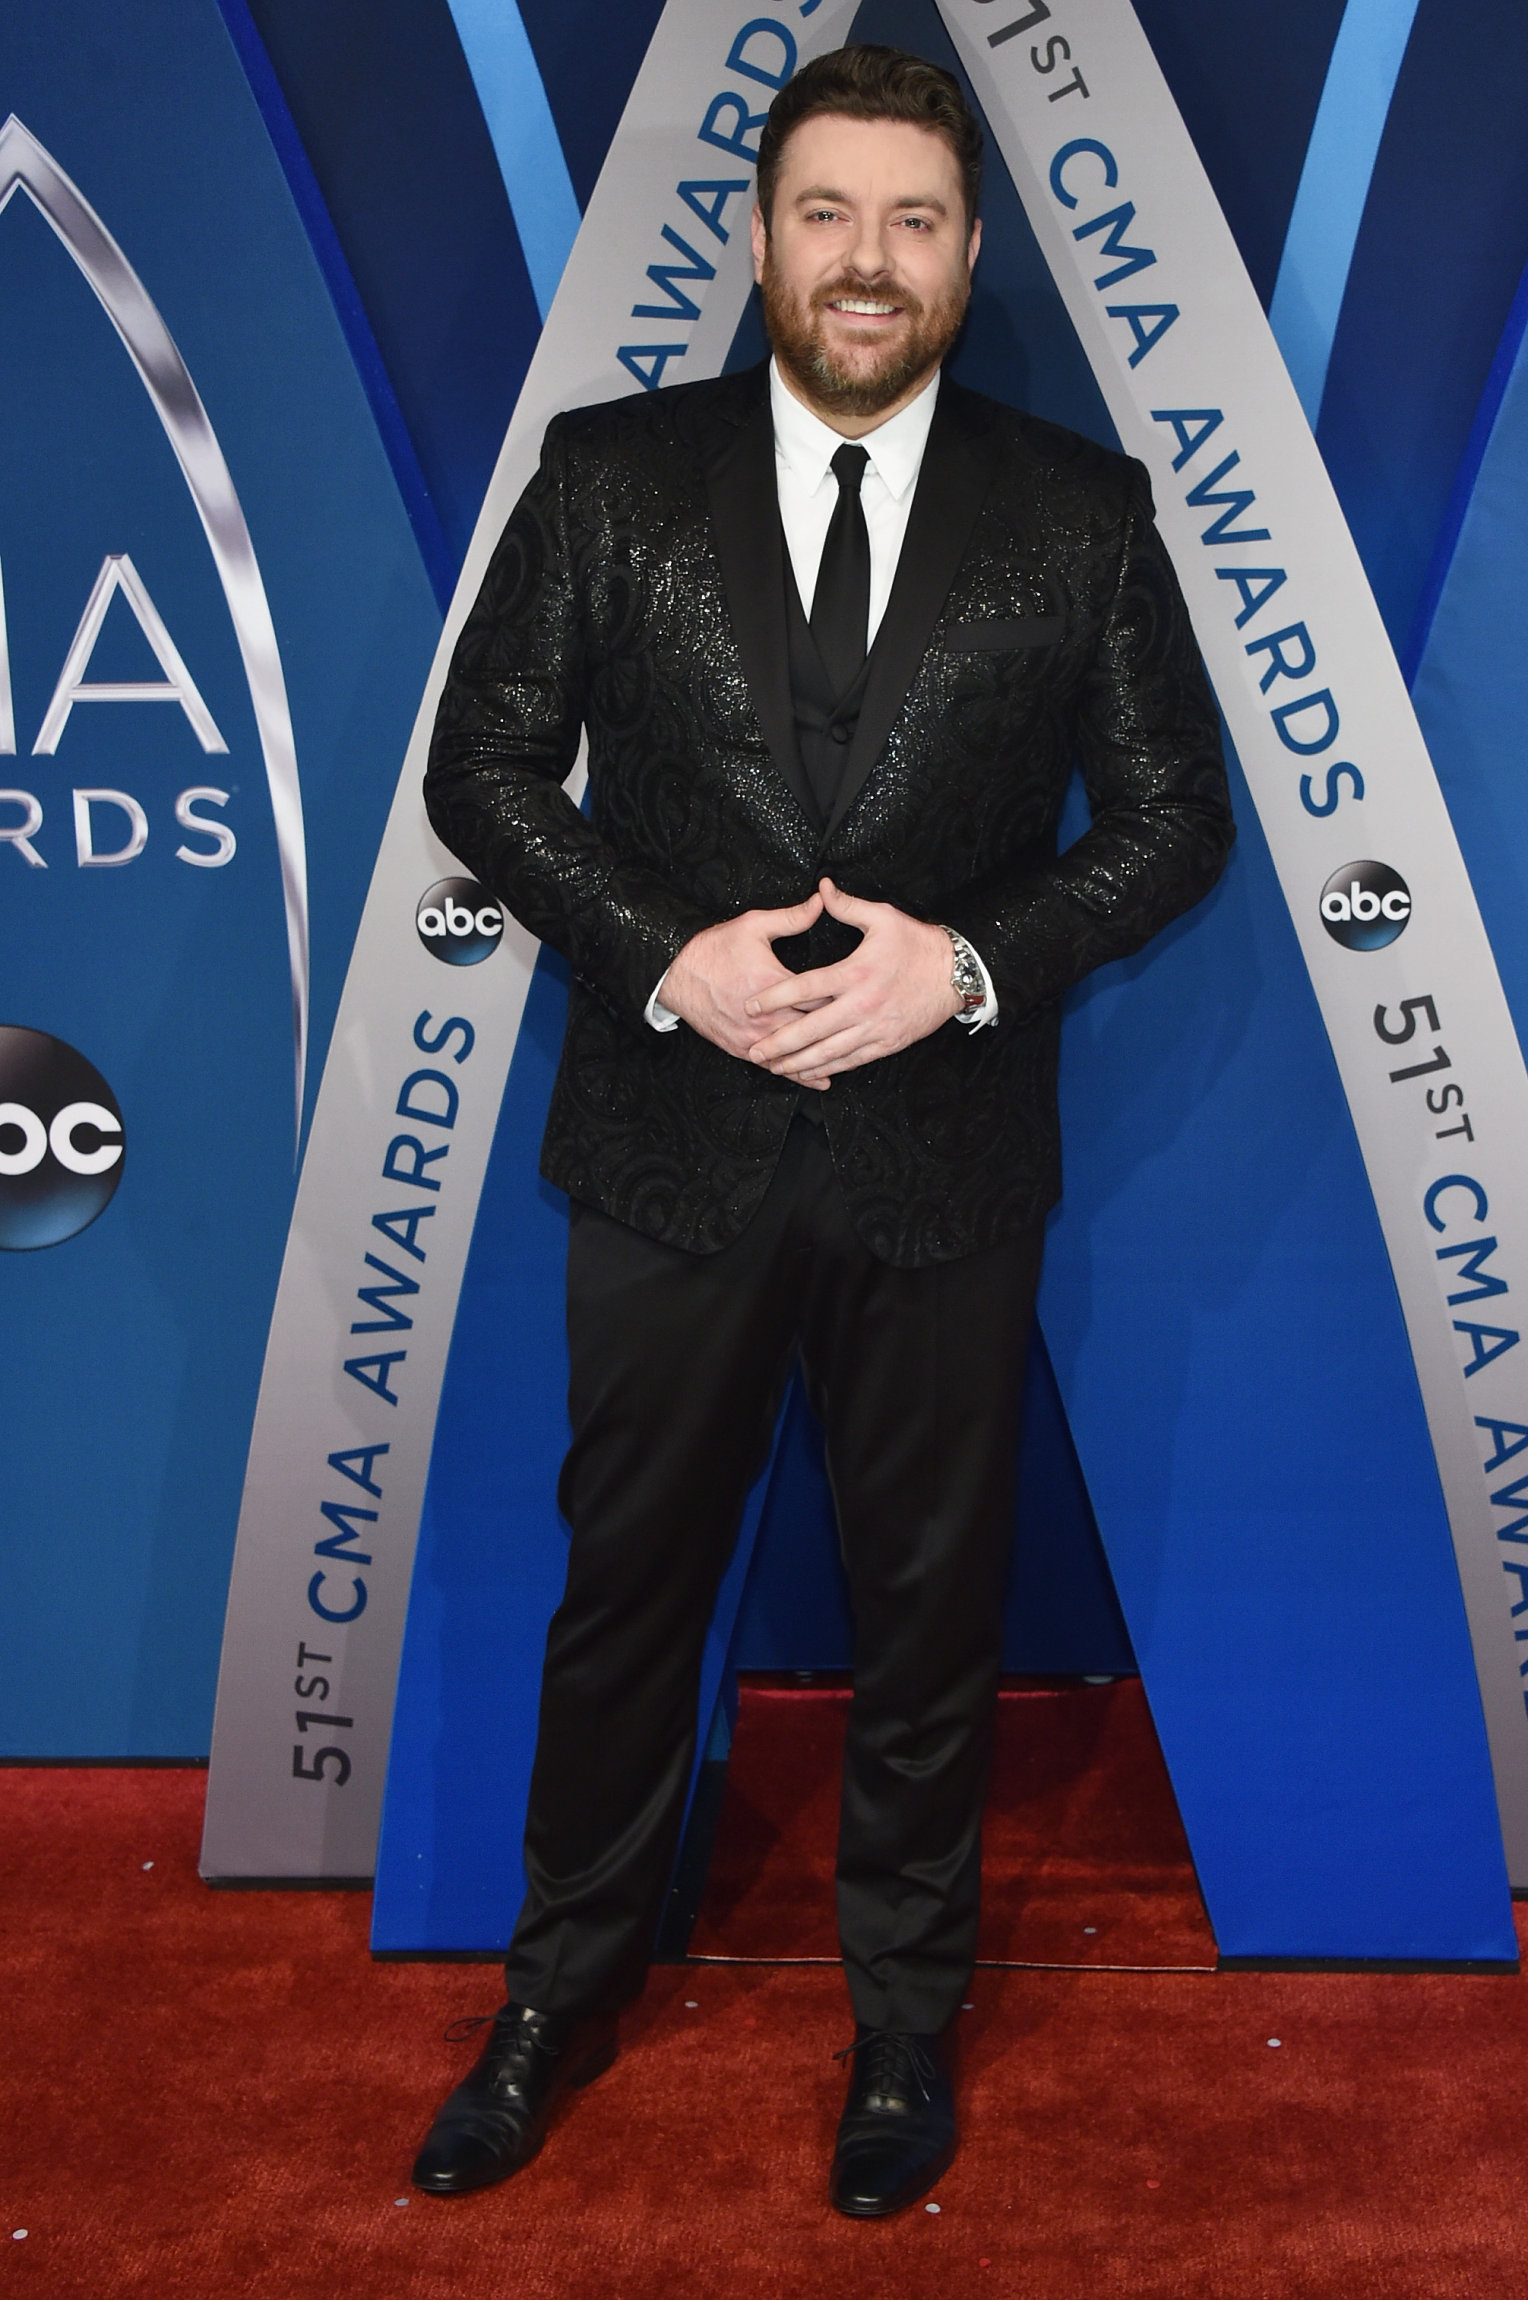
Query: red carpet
x,y
211,2095
1084,1857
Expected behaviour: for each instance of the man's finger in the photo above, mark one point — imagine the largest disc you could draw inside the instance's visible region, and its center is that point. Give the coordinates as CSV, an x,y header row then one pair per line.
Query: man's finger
x,y
792,1014
794,1031
795,920
818,988
845,1051
805,1034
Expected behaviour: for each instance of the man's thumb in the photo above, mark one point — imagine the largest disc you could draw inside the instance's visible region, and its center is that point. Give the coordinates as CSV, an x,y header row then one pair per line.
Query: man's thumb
x,y
848,907
799,915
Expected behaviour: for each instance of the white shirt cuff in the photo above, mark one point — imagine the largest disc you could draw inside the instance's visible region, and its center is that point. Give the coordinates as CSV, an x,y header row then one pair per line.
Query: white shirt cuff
x,y
657,1014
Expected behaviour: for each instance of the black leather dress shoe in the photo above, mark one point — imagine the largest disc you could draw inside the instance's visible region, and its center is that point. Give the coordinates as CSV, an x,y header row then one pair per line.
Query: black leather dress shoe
x,y
496,2119
897,2133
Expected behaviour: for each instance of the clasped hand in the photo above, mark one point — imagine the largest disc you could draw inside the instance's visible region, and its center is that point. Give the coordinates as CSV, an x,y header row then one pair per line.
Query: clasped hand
x,y
892,989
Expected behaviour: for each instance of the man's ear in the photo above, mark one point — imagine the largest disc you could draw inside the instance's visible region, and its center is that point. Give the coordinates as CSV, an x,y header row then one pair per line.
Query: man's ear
x,y
758,232
974,247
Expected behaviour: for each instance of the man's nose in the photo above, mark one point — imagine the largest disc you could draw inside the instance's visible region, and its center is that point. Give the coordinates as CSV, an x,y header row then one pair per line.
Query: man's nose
x,y
869,257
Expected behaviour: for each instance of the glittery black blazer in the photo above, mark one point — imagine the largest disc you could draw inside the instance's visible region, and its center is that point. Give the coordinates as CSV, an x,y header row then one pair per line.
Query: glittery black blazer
x,y
638,592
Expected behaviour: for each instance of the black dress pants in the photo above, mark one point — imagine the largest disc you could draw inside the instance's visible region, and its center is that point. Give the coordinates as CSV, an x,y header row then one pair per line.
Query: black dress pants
x,y
678,1365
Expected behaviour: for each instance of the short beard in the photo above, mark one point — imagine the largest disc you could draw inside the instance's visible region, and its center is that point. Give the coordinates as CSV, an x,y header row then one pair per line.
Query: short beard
x,y
796,338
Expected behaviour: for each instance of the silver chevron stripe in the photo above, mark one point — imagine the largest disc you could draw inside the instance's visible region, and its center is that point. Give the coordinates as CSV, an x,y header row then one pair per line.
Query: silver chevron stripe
x,y
24,163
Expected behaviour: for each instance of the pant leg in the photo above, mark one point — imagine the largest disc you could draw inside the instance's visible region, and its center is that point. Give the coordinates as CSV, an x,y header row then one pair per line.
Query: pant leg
x,y
917,1377
678,1364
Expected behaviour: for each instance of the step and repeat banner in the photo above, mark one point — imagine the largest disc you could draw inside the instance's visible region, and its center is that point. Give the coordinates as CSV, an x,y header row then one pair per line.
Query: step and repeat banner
x,y
1279,1298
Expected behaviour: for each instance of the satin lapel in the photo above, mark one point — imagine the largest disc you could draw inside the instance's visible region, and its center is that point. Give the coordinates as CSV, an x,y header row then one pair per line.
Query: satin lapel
x,y
745,519
951,488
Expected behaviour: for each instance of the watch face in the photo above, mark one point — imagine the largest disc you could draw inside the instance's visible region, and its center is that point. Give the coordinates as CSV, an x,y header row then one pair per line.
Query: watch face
x,y
965,974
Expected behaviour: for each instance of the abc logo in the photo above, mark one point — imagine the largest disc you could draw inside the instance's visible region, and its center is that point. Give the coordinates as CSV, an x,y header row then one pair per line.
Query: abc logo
x,y
61,1140
459,921
1365,905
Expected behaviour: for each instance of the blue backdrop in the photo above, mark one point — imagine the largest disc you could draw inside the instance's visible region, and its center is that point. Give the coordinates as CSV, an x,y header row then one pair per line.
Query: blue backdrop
x,y
351,239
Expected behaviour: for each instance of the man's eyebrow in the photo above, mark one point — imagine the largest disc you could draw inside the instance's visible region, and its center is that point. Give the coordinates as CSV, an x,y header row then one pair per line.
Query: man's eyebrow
x,y
928,200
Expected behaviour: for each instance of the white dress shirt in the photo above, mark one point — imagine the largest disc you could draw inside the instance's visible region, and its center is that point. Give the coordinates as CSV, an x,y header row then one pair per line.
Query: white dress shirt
x,y
808,489
804,450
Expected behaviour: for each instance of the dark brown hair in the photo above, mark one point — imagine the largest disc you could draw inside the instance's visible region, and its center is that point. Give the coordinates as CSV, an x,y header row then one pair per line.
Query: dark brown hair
x,y
865,82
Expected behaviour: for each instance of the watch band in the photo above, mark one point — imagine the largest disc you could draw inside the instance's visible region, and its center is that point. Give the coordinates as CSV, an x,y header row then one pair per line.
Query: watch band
x,y
966,977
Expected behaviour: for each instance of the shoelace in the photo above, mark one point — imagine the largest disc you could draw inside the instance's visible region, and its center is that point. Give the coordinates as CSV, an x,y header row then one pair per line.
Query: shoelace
x,y
493,2118
892,2058
458,2031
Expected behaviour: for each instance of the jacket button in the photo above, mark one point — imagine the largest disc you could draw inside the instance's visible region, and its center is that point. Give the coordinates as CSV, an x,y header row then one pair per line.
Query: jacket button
x,y
839,734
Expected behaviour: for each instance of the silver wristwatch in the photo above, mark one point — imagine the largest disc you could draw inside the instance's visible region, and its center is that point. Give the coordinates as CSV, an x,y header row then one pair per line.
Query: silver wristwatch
x,y
966,977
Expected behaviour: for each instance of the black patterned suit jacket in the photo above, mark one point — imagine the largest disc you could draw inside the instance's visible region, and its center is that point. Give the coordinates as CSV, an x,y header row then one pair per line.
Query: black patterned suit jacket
x,y
638,592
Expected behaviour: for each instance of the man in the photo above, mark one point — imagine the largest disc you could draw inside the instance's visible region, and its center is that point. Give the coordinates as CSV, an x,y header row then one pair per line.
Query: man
x,y
837,631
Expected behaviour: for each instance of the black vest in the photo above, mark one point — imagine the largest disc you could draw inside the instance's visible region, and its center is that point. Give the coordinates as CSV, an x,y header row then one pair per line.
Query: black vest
x,y
825,722
825,727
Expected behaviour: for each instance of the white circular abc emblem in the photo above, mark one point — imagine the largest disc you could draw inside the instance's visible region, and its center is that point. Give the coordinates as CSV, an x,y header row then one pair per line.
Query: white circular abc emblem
x,y
1365,905
61,1140
459,922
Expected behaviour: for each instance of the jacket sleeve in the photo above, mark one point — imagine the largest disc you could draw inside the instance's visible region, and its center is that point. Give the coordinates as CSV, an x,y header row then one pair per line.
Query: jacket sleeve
x,y
506,738
1150,751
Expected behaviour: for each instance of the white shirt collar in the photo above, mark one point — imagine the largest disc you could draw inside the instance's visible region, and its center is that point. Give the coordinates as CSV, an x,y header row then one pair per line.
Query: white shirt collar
x,y
808,445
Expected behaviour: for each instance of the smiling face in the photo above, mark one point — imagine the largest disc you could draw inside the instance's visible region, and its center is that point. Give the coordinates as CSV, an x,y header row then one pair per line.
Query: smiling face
x,y
865,265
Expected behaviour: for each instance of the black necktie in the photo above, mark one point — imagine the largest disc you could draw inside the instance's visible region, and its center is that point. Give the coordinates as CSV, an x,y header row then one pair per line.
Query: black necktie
x,y
840,615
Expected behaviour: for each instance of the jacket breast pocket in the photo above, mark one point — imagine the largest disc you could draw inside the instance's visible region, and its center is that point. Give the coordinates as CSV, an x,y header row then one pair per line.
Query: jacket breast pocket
x,y
998,638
